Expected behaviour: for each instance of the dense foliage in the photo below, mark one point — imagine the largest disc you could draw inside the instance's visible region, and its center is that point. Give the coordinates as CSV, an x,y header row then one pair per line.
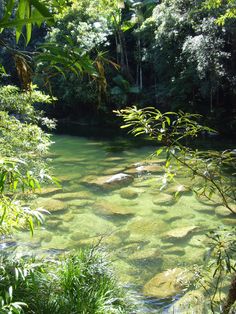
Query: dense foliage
x,y
23,148
175,54
96,56
75,283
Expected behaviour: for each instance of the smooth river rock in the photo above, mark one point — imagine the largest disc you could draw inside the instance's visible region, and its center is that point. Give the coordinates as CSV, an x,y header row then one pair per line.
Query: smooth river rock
x,y
108,208
142,168
191,303
179,233
145,229
146,255
168,283
163,199
48,191
73,195
178,188
80,203
54,206
128,194
110,183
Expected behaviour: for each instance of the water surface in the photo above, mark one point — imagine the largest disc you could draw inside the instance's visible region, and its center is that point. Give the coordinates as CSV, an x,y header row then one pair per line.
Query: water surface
x,y
131,222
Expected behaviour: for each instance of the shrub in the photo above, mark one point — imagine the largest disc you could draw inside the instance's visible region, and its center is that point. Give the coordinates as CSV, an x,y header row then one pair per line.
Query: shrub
x,y
73,283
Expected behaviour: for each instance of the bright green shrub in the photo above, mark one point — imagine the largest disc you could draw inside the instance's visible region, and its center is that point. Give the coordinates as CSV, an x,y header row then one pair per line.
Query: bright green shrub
x,y
77,283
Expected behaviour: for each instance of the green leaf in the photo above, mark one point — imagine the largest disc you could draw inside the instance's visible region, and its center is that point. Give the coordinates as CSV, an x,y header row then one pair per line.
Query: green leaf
x,y
127,25
37,17
28,25
159,151
168,120
22,22
167,165
31,225
59,70
42,9
20,15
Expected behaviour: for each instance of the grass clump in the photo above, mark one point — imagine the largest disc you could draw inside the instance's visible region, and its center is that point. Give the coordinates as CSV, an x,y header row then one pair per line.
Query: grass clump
x,y
75,283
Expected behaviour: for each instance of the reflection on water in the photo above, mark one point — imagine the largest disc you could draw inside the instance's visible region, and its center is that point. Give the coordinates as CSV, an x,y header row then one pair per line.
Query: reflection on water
x,y
145,231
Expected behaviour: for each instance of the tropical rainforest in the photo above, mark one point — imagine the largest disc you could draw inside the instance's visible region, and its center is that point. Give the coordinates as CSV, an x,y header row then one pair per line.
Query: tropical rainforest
x,y
117,160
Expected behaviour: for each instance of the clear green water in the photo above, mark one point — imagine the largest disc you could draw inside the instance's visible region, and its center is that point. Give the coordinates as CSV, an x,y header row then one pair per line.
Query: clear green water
x,y
133,231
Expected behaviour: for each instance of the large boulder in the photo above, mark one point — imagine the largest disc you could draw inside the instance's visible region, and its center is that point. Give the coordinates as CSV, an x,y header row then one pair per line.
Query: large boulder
x,y
168,283
191,302
109,183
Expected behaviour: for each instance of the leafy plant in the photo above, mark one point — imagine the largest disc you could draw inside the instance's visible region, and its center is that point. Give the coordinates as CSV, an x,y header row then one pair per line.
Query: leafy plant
x,y
26,13
216,171
173,130
23,147
218,271
73,283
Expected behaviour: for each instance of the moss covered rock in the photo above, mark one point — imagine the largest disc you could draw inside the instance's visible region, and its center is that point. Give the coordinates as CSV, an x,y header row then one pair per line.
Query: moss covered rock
x,y
128,194
168,283
191,302
163,199
54,206
108,208
179,233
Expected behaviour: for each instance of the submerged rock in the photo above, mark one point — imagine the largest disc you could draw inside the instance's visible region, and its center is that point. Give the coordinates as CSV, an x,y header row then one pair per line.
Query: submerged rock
x,y
90,225
143,228
198,241
175,251
116,181
53,224
128,194
222,211
168,283
113,171
48,191
179,233
54,206
73,195
163,199
179,189
108,208
146,255
124,271
80,203
191,302
142,168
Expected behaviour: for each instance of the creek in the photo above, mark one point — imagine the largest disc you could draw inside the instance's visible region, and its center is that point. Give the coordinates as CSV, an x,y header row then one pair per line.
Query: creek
x,y
144,230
